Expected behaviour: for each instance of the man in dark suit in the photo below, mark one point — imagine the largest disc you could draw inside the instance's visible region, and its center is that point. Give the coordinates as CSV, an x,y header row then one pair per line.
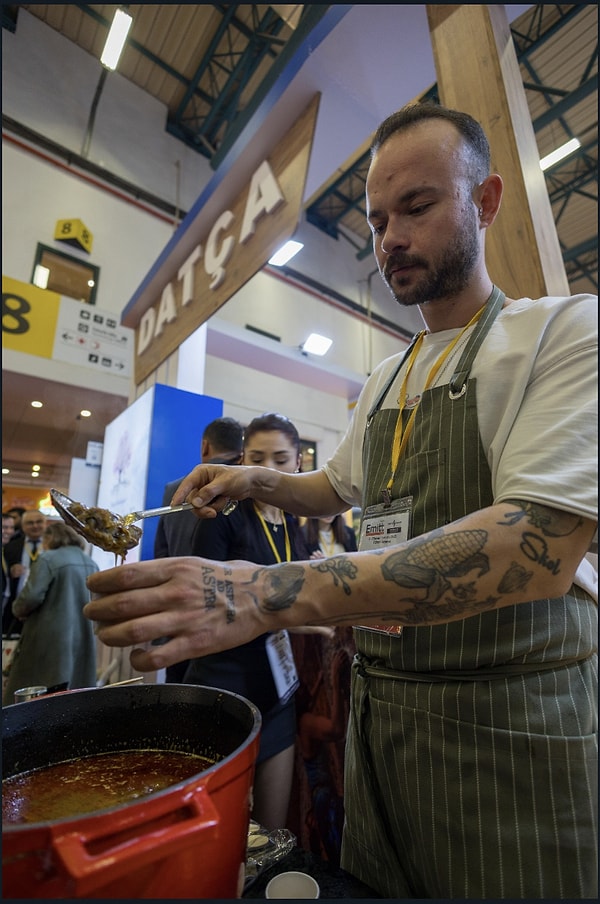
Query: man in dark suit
x,y
221,444
19,553
8,530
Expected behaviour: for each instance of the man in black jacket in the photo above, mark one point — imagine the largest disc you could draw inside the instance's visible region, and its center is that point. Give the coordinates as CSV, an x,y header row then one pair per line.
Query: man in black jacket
x,y
19,553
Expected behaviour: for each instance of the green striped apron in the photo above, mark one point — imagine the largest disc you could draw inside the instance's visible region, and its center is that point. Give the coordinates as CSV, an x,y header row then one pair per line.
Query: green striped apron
x,y
471,761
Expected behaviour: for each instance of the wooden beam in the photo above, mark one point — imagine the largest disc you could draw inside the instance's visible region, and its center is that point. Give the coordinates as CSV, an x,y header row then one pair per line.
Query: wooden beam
x,y
478,72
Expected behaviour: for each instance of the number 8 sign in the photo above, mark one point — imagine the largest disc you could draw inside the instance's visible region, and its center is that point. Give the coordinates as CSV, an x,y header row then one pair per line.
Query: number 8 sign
x,y
29,317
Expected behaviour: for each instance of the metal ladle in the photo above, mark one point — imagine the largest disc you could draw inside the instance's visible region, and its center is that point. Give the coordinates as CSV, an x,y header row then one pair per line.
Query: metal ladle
x,y
63,503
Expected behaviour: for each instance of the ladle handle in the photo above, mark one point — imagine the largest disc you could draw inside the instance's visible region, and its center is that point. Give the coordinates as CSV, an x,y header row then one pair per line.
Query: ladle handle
x,y
164,510
169,509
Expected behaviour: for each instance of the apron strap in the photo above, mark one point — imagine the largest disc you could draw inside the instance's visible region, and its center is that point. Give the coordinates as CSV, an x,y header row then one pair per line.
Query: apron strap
x,y
458,382
391,379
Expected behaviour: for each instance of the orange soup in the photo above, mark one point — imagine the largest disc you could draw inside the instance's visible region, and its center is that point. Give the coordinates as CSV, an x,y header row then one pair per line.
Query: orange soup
x,y
93,783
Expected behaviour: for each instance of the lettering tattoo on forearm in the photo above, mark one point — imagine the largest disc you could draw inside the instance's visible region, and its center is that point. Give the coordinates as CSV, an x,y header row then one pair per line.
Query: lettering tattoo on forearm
x,y
549,523
211,587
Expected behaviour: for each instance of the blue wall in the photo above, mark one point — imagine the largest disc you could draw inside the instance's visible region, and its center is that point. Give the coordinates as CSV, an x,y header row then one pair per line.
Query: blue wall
x,y
178,422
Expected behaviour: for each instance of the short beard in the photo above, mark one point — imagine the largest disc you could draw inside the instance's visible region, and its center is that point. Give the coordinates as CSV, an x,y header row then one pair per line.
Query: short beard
x,y
444,279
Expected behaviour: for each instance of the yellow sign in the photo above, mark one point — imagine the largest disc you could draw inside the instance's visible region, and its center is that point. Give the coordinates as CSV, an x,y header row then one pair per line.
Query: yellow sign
x,y
43,323
29,317
75,233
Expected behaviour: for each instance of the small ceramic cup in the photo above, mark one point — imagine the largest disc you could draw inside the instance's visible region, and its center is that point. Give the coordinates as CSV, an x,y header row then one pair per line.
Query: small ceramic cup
x,y
292,885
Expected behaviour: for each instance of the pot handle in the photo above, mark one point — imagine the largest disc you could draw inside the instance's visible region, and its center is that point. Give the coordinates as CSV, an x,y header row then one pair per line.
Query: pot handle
x,y
115,843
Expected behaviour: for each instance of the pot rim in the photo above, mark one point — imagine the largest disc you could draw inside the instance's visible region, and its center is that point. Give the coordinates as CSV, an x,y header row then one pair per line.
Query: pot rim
x,y
173,790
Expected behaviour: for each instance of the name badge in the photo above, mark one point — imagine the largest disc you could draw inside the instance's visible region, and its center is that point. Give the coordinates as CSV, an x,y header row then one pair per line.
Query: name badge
x,y
386,524
283,667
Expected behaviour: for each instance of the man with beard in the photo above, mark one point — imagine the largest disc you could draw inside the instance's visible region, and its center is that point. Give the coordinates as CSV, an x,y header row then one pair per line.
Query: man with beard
x,y
471,755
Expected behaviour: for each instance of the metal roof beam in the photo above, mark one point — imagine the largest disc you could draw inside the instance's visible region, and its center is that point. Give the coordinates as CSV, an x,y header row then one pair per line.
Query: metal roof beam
x,y
566,104
525,44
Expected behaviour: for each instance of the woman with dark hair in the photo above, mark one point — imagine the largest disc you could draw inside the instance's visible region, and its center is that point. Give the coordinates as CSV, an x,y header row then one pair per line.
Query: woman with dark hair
x,y
328,536
57,643
263,670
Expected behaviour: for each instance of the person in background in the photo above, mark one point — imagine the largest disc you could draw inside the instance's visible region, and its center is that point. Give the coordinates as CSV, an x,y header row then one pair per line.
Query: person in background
x,y
17,513
317,813
322,704
8,529
57,643
328,536
20,552
471,758
222,441
265,534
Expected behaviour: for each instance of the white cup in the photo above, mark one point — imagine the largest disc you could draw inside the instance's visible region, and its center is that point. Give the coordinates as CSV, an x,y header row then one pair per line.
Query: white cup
x,y
292,885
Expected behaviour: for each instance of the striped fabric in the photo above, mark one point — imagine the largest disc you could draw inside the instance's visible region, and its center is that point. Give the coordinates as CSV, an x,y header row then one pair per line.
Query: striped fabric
x,y
471,761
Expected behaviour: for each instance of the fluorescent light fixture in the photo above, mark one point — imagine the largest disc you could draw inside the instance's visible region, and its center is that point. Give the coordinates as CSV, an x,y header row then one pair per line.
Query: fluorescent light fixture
x,y
41,276
560,153
116,39
317,345
285,253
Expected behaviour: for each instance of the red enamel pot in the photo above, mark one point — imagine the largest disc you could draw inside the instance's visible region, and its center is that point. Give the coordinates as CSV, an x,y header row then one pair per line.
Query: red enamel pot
x,y
187,841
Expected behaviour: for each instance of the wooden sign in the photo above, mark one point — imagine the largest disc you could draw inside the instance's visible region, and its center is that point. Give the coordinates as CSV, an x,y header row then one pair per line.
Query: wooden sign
x,y
236,246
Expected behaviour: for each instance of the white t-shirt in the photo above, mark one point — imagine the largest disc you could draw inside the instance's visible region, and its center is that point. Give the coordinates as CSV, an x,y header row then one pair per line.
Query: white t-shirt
x,y
537,384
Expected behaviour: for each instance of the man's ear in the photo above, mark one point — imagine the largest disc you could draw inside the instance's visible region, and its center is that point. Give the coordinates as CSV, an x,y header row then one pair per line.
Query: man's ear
x,y
488,197
204,449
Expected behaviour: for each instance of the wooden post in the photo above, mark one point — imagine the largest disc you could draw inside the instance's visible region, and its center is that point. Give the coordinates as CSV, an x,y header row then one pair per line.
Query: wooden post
x,y
478,72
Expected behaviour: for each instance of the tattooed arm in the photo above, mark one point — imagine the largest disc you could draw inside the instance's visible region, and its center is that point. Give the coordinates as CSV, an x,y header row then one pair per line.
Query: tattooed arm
x,y
210,487
507,554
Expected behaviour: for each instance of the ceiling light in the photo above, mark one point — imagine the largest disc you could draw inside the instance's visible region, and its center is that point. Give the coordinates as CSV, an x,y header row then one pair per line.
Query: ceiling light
x,y
35,473
285,253
116,39
37,404
85,413
6,470
560,153
35,468
317,345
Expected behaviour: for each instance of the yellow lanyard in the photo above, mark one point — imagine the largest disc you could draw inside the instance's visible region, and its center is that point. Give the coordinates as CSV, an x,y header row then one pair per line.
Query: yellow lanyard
x,y
33,554
288,548
401,436
327,546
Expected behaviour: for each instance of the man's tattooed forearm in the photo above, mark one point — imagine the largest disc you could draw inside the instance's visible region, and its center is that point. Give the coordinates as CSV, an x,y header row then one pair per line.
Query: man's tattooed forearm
x,y
552,522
